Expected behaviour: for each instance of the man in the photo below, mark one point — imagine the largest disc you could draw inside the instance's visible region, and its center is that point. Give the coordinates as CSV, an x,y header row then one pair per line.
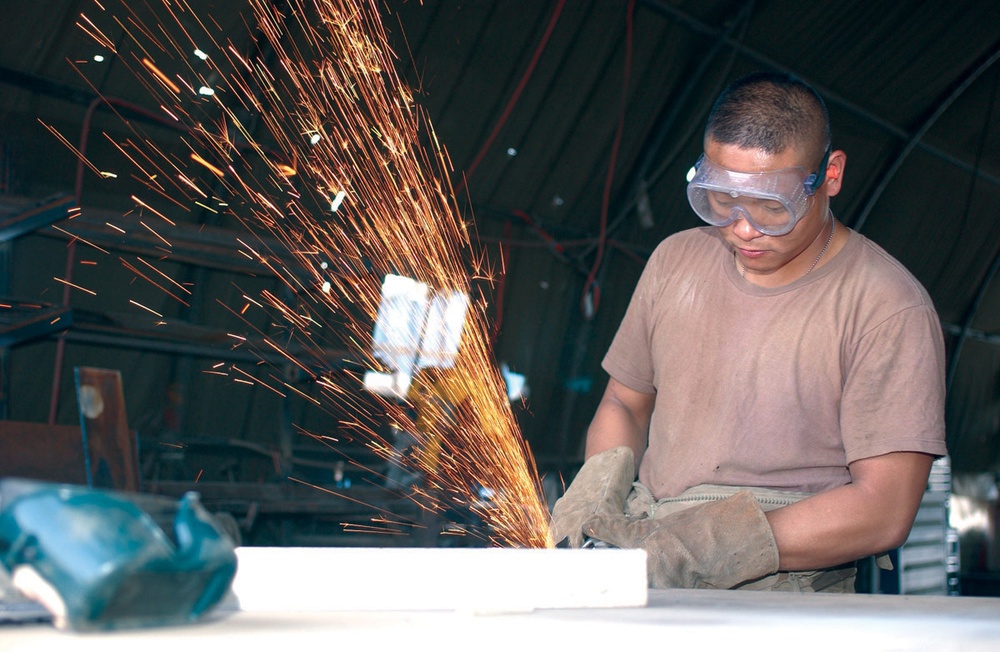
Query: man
x,y
777,380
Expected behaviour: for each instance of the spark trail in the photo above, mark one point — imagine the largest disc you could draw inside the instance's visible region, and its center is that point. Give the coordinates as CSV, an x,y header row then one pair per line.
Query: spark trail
x,y
353,175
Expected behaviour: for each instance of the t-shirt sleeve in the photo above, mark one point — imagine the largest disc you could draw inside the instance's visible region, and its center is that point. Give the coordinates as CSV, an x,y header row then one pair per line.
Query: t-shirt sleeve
x,y
629,359
894,391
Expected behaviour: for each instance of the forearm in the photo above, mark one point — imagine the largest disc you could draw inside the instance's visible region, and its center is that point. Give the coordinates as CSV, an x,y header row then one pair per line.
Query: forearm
x,y
826,530
871,515
611,428
622,419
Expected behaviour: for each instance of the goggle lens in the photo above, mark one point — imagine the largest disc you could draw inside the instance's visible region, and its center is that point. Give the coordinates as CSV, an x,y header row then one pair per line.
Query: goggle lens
x,y
771,202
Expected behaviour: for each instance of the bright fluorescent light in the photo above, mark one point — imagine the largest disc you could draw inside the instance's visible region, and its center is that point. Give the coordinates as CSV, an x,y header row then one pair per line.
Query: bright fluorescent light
x,y
337,201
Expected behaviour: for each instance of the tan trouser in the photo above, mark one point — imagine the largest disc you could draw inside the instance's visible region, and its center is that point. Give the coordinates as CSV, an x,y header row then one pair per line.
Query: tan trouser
x,y
840,579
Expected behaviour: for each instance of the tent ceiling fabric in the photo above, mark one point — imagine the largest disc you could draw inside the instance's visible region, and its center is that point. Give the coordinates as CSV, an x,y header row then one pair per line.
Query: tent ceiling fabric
x,y
529,96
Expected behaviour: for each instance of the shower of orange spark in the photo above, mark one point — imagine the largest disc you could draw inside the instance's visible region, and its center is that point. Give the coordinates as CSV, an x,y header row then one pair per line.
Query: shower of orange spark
x,y
216,171
75,286
162,77
76,237
146,308
329,98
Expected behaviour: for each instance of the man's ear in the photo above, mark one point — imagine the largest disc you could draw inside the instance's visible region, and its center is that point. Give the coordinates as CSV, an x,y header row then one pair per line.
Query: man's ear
x,y
835,172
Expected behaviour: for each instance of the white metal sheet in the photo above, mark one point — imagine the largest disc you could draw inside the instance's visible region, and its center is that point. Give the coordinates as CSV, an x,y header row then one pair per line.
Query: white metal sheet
x,y
478,580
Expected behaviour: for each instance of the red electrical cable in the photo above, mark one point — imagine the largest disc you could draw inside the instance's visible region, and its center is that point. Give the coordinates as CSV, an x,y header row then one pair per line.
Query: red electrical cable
x,y
70,259
545,236
515,97
591,285
88,118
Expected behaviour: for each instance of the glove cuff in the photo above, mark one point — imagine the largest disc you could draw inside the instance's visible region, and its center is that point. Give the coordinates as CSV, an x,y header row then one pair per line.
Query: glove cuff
x,y
600,488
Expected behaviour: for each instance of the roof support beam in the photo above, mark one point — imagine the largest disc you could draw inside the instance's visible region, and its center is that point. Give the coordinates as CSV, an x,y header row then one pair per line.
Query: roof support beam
x,y
44,213
45,323
917,137
964,332
970,334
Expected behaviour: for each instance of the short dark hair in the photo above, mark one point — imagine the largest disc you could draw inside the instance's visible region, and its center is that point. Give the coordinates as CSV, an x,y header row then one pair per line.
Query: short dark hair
x,y
771,111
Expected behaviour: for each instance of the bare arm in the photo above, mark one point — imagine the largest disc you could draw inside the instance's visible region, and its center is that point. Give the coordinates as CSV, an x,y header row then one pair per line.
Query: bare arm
x,y
871,515
622,419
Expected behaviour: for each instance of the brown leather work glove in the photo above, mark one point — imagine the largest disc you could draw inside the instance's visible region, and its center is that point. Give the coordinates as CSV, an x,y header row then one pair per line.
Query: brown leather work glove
x,y
717,545
600,488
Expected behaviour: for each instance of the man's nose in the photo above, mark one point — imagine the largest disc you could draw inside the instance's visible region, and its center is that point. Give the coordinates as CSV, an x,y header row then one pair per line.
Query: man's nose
x,y
742,227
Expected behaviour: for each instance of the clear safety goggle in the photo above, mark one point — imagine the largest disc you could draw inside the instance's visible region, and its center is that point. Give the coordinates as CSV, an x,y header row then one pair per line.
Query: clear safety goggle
x,y
772,202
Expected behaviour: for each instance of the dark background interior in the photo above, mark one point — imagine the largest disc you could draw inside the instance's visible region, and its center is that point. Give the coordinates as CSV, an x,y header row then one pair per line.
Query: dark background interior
x,y
527,97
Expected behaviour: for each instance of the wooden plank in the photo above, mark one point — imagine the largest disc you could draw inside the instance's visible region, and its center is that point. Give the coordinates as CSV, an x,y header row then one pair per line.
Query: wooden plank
x,y
475,580
113,452
39,451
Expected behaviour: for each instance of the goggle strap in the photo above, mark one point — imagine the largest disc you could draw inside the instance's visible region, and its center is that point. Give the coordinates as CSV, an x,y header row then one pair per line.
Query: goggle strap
x,y
816,179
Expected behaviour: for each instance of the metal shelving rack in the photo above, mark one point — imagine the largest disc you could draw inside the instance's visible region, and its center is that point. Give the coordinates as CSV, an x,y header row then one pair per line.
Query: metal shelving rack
x,y
927,564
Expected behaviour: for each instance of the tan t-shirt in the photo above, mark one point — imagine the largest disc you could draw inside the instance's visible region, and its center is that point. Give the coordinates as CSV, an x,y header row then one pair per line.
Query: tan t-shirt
x,y
779,387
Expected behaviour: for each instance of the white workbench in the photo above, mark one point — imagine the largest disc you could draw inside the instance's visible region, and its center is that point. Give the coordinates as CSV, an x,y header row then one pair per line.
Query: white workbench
x,y
522,600
672,620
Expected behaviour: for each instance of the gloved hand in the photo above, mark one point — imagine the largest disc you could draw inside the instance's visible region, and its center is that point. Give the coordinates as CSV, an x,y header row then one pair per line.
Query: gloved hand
x,y
715,545
600,487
